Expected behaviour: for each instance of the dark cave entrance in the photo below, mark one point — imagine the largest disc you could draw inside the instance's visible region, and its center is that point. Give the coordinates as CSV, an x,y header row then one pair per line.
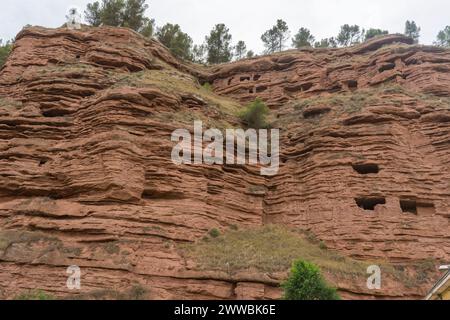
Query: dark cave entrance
x,y
408,206
369,204
366,168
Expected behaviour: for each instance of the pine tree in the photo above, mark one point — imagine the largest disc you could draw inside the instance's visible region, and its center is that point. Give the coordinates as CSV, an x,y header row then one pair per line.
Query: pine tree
x,y
326,43
5,50
112,12
443,38
198,53
412,30
178,42
241,50
148,28
133,15
372,33
349,35
218,45
275,39
120,13
303,38
93,14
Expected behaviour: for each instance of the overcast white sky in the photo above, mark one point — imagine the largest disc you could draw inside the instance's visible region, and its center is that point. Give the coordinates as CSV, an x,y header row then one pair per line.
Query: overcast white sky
x,y
248,19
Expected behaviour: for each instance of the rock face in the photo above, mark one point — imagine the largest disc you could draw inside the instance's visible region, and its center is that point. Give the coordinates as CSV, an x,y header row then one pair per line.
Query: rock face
x,y
86,118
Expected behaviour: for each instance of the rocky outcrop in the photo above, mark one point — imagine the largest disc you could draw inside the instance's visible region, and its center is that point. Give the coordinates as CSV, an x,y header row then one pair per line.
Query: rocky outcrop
x,y
87,179
291,75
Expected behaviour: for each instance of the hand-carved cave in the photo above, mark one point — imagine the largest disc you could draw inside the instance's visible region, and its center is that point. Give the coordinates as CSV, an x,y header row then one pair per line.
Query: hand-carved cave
x,y
369,203
417,207
366,168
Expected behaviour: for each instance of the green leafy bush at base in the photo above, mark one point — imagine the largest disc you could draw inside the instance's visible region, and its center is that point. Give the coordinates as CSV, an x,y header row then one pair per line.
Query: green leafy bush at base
x,y
306,283
255,114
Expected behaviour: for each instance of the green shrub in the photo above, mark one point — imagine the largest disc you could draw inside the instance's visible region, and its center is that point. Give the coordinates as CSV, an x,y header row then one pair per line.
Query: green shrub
x,y
306,283
214,233
138,292
322,245
254,116
207,86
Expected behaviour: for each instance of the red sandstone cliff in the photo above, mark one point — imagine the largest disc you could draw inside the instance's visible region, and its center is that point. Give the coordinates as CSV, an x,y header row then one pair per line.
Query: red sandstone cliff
x,y
87,179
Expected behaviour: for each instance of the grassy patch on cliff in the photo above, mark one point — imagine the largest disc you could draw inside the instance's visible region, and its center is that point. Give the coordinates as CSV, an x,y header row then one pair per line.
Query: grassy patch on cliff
x,y
10,104
173,81
35,295
268,249
214,110
8,237
136,292
348,103
273,249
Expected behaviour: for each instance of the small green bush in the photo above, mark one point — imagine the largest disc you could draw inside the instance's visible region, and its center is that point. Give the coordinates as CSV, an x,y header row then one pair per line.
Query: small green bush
x,y
322,245
254,116
306,283
138,292
214,233
207,86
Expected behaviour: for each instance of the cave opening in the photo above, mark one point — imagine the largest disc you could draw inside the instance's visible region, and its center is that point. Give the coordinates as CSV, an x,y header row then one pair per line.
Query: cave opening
x,y
369,204
352,84
54,113
256,77
416,207
366,168
386,67
261,89
408,206
314,113
245,79
306,86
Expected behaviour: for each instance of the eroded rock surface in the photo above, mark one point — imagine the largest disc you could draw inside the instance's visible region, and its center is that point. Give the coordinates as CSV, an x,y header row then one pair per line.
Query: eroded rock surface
x,y
87,179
